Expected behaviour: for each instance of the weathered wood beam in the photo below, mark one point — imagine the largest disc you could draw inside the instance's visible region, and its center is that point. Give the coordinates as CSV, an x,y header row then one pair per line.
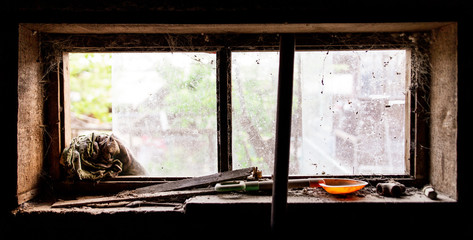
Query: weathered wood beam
x,y
159,196
196,181
159,191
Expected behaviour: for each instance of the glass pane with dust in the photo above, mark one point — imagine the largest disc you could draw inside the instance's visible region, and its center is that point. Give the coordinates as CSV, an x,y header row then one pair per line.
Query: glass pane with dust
x,y
348,111
353,112
164,108
254,97
90,82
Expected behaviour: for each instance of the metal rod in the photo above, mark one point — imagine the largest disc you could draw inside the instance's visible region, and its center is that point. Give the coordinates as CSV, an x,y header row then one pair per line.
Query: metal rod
x,y
283,132
224,126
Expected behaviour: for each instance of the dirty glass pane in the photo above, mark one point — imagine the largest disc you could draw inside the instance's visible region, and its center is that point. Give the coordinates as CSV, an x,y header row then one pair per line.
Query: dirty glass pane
x,y
348,111
90,82
254,95
353,112
164,108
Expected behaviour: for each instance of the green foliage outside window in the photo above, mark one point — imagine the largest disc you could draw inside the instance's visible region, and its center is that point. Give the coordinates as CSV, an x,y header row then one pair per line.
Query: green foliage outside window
x,y
90,85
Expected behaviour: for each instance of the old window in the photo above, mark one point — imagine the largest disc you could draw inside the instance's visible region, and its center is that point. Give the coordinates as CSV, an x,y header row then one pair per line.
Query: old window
x,y
430,76
349,109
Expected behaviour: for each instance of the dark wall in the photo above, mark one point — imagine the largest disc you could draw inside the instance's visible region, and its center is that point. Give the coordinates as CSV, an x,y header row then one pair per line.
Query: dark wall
x,y
402,218
214,11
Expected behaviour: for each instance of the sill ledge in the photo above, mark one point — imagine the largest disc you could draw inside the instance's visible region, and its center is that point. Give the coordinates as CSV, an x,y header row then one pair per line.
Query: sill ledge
x,y
312,197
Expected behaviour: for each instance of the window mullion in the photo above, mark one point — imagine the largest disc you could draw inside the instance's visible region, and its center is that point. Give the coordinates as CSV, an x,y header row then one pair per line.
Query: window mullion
x,y
224,114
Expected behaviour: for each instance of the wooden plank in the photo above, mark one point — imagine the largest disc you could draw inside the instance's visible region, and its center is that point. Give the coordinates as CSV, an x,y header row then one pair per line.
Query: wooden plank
x,y
420,89
99,188
30,127
143,178
159,191
53,120
65,102
233,28
161,196
28,195
196,181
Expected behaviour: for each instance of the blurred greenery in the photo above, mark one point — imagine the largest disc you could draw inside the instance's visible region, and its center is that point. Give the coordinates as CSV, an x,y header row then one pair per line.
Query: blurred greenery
x,y
254,103
90,85
191,100
254,110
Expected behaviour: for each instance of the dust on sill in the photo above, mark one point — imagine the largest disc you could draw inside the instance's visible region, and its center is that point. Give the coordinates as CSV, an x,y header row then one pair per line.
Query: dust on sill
x,y
318,195
295,196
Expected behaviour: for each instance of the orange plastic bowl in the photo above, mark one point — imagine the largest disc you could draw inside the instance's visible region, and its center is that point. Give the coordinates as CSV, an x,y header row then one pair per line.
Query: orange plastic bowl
x,y
342,186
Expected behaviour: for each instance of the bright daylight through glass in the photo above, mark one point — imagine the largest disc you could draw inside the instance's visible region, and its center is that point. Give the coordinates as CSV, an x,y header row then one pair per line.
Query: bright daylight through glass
x,y
348,109
163,107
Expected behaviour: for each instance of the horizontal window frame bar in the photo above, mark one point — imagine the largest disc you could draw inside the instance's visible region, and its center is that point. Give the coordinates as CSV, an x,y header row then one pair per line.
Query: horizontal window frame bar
x,y
213,42
170,178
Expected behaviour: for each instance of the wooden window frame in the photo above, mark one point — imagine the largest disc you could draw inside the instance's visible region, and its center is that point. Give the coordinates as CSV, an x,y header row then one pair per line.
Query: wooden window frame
x,y
223,45
41,133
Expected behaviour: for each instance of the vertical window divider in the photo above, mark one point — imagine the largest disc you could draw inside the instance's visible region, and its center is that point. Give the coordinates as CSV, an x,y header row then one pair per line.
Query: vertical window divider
x,y
224,109
283,131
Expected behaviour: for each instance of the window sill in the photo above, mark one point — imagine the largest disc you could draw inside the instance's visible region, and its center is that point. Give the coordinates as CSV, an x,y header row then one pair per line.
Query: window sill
x,y
319,196
296,198
246,215
45,208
